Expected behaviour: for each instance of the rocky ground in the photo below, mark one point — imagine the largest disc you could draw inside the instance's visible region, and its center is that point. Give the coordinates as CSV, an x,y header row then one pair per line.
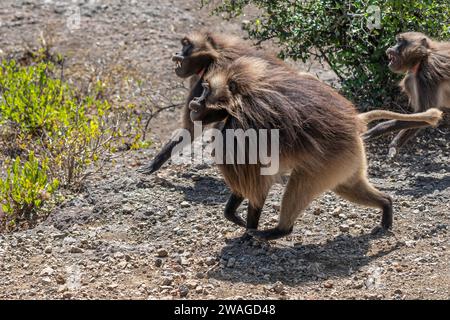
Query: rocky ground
x,y
163,236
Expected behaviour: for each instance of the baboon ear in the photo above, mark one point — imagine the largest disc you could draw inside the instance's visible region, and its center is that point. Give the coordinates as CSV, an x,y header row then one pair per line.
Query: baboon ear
x,y
233,86
425,43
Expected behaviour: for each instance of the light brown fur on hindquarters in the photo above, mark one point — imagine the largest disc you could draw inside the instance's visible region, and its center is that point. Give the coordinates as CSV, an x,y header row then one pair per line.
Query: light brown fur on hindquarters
x,y
320,143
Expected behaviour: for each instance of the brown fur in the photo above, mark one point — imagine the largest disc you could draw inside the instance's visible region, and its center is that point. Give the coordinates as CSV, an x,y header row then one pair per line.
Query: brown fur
x,y
429,85
426,65
320,143
208,50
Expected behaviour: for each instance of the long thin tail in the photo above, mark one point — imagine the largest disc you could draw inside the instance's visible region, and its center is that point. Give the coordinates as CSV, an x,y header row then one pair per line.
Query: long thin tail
x,y
432,116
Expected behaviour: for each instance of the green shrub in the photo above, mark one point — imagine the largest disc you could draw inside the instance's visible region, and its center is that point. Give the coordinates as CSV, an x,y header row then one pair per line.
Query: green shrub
x,y
25,188
337,31
48,116
65,134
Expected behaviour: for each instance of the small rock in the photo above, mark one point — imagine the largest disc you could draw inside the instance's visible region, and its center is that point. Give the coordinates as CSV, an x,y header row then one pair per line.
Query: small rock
x,y
398,291
60,279
118,255
46,281
112,286
344,227
199,289
336,212
75,250
278,287
210,261
48,249
162,253
317,211
185,204
183,291
231,262
127,209
158,263
328,284
47,271
62,289
67,295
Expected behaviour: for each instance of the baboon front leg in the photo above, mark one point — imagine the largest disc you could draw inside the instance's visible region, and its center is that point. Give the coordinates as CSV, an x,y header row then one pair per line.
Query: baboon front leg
x,y
391,126
359,190
230,210
400,140
253,215
166,151
299,193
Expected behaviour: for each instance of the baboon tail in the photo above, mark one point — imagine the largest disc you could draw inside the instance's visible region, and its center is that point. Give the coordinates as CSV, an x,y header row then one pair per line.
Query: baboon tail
x,y
432,116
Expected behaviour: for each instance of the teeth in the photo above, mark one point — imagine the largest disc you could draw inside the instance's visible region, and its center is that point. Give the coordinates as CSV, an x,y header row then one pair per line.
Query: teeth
x,y
178,64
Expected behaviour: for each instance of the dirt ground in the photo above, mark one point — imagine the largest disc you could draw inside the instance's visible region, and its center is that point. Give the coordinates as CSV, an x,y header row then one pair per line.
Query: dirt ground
x,y
163,236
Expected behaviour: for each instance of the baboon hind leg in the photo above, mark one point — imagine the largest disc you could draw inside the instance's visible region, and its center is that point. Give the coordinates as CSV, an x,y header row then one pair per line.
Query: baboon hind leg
x,y
233,203
300,192
359,190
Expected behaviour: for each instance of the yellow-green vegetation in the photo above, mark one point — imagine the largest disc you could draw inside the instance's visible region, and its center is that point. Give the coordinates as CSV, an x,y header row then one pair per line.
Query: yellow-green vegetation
x,y
25,188
51,136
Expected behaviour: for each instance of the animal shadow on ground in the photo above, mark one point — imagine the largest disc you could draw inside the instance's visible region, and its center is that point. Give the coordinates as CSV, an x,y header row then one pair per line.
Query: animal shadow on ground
x,y
339,257
207,190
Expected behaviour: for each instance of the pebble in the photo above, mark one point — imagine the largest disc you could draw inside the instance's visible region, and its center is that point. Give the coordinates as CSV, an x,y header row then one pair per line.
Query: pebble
x,y
210,261
162,253
158,263
278,287
344,227
48,249
185,204
231,262
183,290
75,250
328,284
336,212
48,271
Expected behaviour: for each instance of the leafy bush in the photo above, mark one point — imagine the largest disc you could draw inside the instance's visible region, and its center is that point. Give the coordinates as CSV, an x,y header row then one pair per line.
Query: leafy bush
x,y
25,188
338,32
63,133
48,116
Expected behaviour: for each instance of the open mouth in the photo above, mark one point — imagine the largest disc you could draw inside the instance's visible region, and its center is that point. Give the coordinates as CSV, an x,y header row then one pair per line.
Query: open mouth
x,y
178,65
392,59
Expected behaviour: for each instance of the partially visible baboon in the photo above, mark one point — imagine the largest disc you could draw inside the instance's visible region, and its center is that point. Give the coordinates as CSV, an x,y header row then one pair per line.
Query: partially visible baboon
x,y
200,51
319,141
426,65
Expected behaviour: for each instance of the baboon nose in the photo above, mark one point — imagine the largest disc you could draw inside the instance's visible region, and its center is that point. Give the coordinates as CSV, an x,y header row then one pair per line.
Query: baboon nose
x,y
177,57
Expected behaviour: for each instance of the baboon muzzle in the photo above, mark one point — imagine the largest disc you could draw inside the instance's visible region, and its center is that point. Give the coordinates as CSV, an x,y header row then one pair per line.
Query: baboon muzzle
x,y
177,57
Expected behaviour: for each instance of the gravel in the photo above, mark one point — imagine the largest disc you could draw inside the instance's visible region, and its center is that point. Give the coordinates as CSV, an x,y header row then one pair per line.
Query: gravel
x,y
163,236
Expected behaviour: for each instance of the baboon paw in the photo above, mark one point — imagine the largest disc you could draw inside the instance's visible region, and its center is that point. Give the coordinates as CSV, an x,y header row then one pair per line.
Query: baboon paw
x,y
380,231
270,234
148,169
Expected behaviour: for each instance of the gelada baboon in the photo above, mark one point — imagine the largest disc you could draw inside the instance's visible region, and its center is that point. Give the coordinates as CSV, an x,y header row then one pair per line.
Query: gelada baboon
x,y
320,142
426,65
200,51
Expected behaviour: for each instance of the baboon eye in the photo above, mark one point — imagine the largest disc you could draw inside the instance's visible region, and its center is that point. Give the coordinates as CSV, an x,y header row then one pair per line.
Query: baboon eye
x,y
185,42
